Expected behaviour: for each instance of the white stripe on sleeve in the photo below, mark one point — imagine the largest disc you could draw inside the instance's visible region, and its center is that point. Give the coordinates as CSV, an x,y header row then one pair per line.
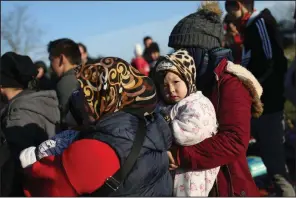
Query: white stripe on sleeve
x,y
264,38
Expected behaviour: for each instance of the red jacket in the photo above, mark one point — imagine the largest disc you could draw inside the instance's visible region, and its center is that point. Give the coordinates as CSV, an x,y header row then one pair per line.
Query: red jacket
x,y
141,65
232,101
81,169
238,42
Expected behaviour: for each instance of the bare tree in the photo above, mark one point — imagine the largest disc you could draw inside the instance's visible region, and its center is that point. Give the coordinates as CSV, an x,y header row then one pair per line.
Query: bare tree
x,y
19,32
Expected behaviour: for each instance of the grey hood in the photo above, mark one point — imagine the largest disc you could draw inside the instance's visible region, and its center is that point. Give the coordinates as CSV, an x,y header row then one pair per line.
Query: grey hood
x,y
44,103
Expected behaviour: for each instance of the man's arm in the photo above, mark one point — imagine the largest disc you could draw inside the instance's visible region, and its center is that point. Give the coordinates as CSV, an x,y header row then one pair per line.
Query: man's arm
x,y
234,116
65,87
265,38
64,90
266,46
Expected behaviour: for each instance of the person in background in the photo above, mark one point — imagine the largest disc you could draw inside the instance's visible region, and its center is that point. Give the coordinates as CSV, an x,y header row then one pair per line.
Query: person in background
x,y
263,55
154,52
139,62
118,99
85,59
44,82
147,41
235,94
233,39
64,56
31,116
290,83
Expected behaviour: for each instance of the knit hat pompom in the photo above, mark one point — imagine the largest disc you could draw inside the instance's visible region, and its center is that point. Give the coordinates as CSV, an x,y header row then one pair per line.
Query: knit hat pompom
x,y
201,29
211,10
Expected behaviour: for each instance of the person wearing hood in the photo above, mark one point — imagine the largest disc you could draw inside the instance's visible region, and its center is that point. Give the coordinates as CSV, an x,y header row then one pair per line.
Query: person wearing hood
x,y
235,94
31,116
112,97
263,55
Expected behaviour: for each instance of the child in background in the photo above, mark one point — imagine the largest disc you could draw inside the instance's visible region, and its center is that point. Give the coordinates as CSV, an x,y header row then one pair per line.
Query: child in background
x,y
139,62
191,114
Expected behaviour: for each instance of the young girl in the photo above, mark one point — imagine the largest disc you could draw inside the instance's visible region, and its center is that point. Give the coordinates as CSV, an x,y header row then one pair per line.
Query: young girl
x,y
192,116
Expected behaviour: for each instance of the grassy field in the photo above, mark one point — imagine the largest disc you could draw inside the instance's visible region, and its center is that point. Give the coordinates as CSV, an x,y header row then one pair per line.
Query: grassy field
x,y
290,110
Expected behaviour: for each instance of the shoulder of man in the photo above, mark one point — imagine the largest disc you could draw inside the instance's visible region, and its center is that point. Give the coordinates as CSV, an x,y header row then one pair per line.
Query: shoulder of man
x,y
67,82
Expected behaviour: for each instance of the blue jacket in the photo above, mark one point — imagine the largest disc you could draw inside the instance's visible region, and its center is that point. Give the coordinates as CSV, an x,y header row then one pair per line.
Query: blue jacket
x,y
150,175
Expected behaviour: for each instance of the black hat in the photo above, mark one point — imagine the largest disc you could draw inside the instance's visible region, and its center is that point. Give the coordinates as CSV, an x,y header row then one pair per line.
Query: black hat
x,y
202,29
153,48
16,71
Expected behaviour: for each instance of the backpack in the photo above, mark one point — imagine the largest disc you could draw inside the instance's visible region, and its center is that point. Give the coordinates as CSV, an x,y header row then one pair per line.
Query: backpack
x,y
113,183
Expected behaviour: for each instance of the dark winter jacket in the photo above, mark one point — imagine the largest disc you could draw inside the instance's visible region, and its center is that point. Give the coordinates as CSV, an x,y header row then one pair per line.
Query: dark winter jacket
x,y
64,88
150,177
263,55
46,84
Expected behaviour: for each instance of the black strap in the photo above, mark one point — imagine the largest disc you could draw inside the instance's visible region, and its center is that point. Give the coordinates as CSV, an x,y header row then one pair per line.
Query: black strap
x,y
113,183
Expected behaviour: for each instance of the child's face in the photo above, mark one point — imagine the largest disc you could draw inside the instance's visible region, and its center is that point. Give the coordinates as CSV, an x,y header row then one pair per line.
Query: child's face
x,y
174,88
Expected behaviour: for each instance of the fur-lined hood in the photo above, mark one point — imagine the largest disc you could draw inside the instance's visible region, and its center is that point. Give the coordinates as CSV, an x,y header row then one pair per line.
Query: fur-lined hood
x,y
249,80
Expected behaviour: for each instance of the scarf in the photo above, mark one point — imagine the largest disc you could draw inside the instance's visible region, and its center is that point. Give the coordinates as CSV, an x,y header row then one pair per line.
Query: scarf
x,y
111,84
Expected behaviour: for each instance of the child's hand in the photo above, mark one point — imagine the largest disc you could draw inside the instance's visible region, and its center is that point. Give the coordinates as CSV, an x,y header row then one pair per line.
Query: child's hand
x,y
173,164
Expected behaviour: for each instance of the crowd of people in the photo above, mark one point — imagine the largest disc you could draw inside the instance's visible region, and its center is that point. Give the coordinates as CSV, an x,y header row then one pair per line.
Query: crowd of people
x,y
171,125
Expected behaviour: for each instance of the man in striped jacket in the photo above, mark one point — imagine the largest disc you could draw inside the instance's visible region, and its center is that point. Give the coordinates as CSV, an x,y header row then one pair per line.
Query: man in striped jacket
x,y
263,55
